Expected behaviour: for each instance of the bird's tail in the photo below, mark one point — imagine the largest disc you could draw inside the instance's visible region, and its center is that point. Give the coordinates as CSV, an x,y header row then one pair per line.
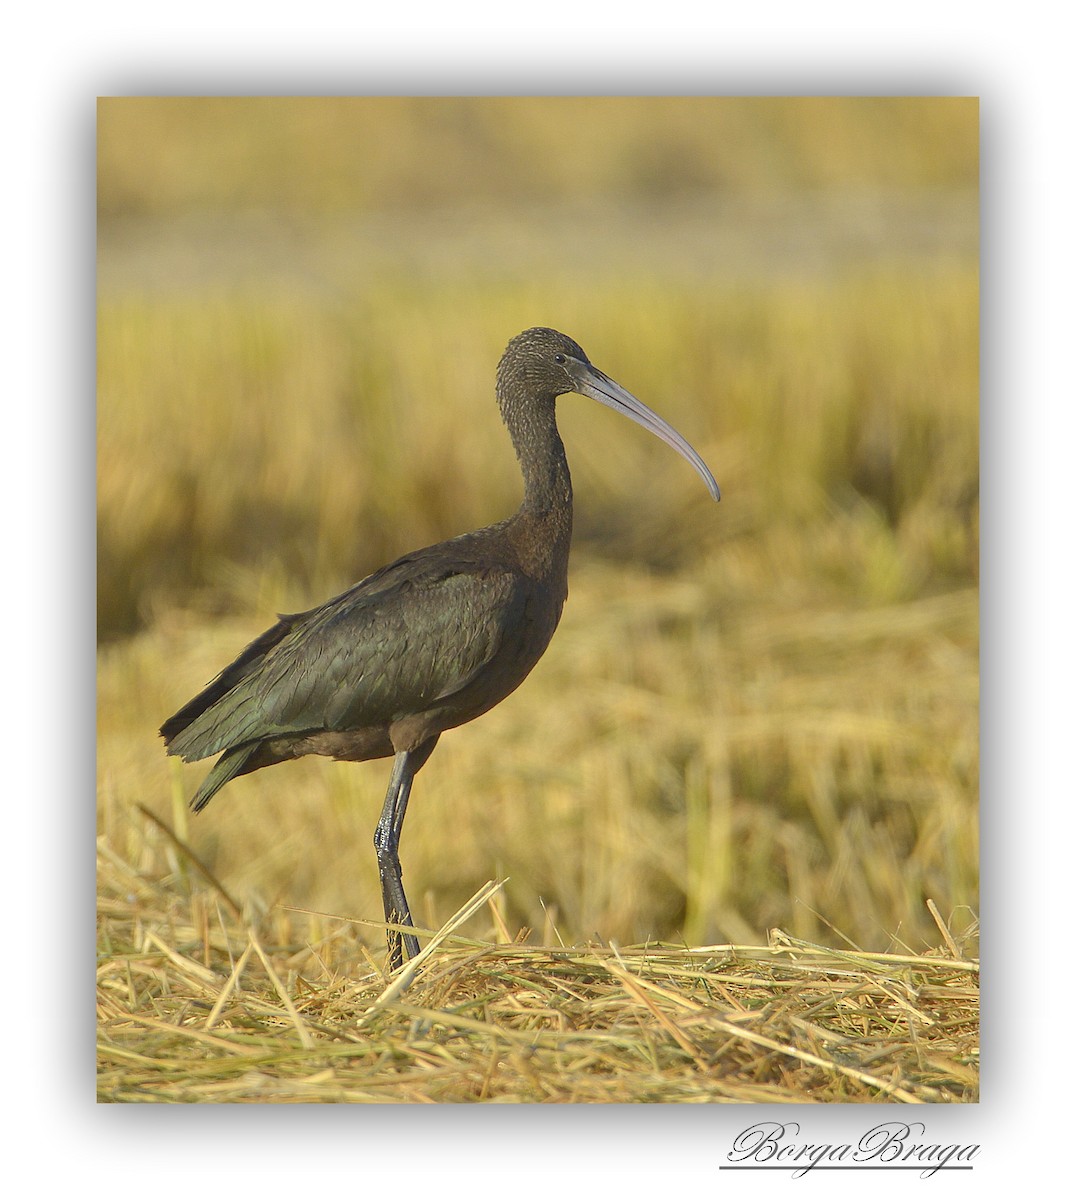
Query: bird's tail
x,y
230,764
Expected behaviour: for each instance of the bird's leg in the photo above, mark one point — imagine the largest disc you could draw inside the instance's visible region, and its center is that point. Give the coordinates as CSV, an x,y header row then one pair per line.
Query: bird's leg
x,y
387,844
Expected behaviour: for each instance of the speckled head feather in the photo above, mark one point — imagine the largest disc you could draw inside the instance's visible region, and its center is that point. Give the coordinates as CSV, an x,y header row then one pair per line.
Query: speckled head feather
x,y
532,368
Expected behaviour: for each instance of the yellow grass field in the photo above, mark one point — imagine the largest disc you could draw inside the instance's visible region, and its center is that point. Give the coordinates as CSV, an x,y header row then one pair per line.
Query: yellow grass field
x,y
756,715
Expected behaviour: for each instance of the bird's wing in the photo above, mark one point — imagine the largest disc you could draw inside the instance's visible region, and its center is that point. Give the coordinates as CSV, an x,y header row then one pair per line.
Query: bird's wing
x,y
403,639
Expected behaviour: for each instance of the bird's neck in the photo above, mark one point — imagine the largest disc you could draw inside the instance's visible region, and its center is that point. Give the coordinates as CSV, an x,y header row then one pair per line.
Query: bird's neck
x,y
544,520
547,486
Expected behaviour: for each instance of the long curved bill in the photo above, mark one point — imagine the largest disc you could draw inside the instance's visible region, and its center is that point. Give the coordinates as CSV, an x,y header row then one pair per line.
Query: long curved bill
x,y
589,381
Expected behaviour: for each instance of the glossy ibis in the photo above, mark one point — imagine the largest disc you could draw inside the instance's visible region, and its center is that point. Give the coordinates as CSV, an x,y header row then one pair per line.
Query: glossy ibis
x,y
427,643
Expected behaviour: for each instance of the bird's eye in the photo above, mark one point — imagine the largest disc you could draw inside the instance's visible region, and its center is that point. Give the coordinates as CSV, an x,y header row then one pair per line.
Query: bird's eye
x,y
559,358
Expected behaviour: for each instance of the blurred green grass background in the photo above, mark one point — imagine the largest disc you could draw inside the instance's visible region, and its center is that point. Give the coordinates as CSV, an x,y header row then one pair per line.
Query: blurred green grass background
x,y
754,714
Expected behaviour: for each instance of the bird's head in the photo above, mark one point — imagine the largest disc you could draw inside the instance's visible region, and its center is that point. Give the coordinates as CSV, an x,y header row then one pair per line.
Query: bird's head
x,y
540,364
537,364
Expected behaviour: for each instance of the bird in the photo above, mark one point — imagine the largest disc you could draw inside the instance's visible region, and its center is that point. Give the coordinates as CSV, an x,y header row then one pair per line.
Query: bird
x,y
427,643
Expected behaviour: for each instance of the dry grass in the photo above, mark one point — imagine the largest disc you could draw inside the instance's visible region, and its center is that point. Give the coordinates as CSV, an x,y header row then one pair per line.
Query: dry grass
x,y
260,450
756,715
832,795
165,155
680,764
197,1004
